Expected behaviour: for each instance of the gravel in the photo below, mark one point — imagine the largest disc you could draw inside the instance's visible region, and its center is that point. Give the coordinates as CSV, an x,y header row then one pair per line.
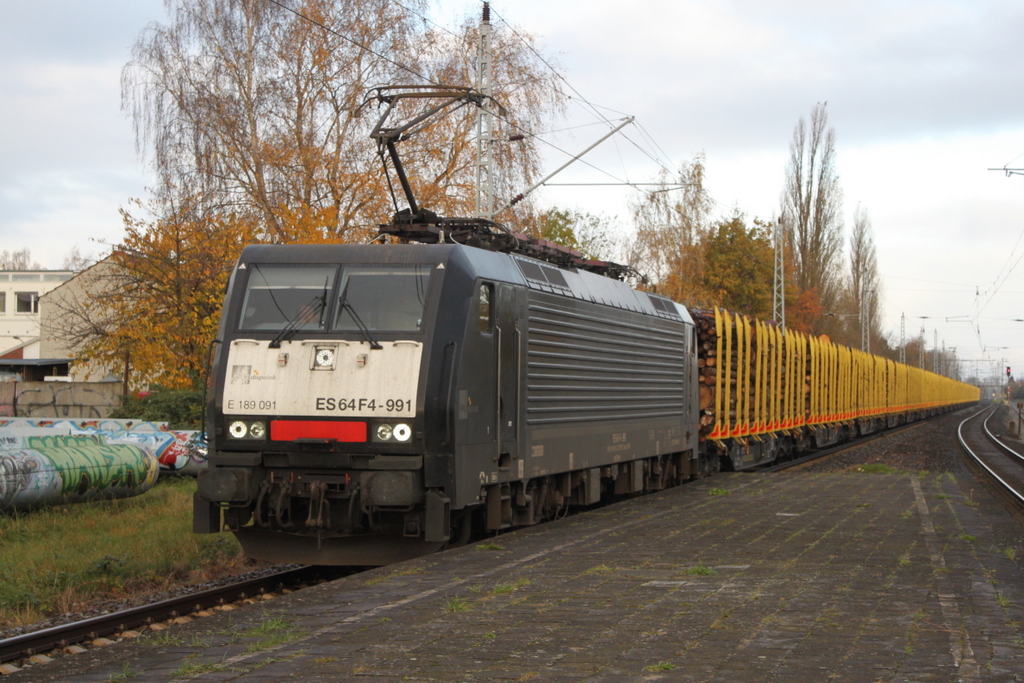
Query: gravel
x,y
930,446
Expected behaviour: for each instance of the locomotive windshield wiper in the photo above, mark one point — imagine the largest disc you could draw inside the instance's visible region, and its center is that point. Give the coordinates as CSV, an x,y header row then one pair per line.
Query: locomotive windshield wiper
x,y
346,306
316,307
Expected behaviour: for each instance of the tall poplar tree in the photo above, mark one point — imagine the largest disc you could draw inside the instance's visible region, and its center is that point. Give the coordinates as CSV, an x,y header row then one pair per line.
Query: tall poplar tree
x,y
812,203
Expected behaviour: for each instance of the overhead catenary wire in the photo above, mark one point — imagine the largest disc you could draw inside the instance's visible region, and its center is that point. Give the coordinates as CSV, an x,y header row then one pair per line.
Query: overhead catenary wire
x,y
595,109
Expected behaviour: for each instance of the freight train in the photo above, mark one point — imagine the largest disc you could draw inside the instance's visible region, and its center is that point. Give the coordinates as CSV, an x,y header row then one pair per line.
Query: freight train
x,y
372,403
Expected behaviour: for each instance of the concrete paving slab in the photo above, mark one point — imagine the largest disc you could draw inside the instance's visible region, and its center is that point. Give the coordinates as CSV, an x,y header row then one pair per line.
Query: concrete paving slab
x,y
784,577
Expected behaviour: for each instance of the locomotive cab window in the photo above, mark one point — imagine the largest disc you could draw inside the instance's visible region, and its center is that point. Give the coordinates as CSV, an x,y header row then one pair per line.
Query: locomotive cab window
x,y
382,298
286,296
486,296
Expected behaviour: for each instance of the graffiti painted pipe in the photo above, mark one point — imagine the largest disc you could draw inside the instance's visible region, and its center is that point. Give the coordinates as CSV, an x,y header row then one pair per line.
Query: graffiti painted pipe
x,y
43,470
180,452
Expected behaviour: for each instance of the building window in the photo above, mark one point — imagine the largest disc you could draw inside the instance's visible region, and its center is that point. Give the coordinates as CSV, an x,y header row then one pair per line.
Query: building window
x,y
28,302
3,302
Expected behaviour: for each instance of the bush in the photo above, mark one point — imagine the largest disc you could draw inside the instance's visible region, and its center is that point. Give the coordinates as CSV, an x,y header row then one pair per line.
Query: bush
x,y
180,408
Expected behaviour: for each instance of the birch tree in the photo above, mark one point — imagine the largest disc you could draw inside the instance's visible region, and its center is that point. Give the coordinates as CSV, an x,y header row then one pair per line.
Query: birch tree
x,y
260,110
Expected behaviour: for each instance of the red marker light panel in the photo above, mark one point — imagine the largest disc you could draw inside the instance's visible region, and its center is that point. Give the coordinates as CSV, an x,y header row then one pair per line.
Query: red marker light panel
x,y
290,430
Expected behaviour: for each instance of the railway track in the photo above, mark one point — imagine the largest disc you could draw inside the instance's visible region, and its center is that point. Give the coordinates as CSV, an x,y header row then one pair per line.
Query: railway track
x,y
65,635
1003,465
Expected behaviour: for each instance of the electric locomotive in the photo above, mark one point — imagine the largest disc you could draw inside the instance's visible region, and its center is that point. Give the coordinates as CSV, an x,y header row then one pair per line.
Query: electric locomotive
x,y
373,403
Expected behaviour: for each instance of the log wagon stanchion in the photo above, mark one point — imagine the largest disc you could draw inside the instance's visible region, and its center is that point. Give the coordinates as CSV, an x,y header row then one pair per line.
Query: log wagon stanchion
x,y
766,393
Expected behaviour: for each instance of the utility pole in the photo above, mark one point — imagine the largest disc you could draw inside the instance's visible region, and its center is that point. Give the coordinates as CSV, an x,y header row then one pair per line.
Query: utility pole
x,y
485,121
779,288
920,352
865,334
935,353
903,338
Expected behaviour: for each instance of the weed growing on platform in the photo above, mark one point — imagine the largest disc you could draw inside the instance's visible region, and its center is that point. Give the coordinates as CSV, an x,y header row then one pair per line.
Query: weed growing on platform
x,y
1003,601
1010,553
325,660
967,537
60,558
191,668
700,570
125,674
489,546
456,604
270,633
599,569
717,492
660,666
502,588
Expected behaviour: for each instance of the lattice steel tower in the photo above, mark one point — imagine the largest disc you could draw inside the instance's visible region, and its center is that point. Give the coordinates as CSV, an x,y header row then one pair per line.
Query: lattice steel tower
x,y
485,121
779,288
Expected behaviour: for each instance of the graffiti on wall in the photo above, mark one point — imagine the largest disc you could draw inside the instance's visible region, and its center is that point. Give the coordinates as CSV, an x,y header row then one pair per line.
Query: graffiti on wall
x,y
39,470
59,399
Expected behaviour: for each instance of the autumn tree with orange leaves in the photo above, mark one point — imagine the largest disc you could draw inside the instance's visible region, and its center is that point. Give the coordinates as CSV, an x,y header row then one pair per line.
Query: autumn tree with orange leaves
x,y
154,304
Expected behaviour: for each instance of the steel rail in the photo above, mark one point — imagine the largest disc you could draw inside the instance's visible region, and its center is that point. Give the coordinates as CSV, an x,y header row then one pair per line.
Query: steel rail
x,y
963,443
997,441
47,639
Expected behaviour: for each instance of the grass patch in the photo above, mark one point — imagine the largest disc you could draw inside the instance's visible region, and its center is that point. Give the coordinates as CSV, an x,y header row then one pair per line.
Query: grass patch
x,y
660,666
489,546
125,674
270,633
967,537
57,559
717,492
599,569
392,575
503,588
1010,553
877,468
700,570
194,668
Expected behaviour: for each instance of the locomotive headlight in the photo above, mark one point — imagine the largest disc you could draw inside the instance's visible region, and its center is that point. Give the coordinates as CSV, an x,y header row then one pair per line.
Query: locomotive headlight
x,y
324,358
402,432
251,430
257,430
384,432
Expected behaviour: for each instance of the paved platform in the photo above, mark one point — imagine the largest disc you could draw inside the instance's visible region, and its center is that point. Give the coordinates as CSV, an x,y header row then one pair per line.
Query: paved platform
x,y
745,577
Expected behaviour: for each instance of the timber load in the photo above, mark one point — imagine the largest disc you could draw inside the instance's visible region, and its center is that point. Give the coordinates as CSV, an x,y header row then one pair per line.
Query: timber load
x,y
756,378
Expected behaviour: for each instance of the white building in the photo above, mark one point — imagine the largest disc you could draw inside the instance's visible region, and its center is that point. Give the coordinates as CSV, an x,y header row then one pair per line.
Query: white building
x,y
20,309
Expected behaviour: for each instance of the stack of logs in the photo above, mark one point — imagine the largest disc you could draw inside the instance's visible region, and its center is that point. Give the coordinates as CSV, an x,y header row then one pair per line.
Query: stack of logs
x,y
707,364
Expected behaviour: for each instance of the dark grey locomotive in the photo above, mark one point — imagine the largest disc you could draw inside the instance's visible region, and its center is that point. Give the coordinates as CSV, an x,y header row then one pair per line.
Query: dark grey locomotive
x,y
372,403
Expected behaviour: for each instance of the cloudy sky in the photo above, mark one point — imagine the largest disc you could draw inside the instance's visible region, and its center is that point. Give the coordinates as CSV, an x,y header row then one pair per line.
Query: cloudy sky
x,y
925,96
